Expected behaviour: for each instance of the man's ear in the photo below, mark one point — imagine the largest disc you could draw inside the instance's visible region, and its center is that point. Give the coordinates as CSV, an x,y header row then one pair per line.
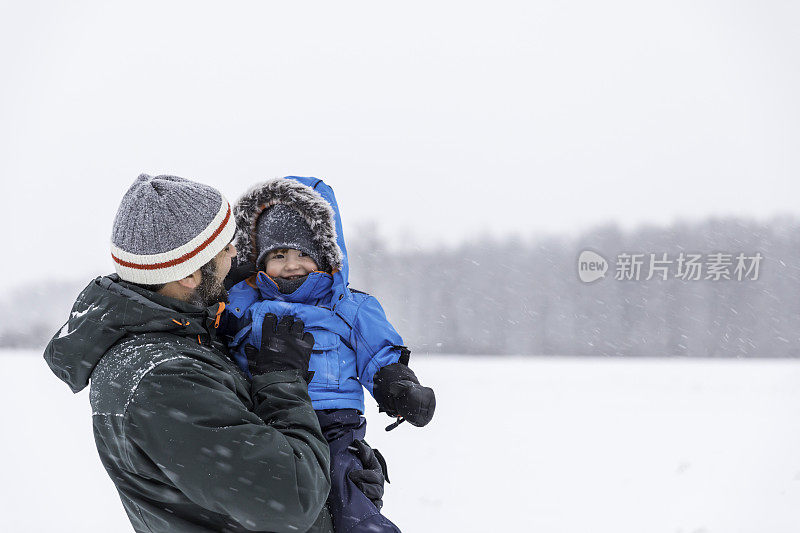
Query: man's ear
x,y
191,281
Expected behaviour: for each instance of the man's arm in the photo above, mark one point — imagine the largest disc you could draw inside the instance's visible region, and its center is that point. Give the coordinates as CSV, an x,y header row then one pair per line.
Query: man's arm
x,y
268,468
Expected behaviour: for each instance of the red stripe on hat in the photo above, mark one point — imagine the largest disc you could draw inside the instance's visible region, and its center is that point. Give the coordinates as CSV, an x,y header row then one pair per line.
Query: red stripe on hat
x,y
184,257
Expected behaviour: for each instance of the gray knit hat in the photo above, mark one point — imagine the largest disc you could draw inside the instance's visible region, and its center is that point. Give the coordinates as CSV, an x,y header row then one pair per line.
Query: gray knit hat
x,y
167,227
281,226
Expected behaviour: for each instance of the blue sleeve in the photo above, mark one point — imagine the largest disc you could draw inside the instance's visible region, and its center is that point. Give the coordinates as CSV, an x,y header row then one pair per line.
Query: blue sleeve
x,y
238,322
241,334
375,341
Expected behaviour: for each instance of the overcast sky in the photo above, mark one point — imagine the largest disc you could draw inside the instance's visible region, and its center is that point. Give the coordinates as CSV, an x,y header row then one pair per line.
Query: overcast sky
x,y
437,121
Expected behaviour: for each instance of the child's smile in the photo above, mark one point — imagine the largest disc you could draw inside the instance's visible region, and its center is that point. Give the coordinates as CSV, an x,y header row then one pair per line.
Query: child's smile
x,y
289,264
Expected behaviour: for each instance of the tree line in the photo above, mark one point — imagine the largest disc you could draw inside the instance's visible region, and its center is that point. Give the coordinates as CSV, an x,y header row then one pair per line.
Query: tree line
x,y
518,296
524,296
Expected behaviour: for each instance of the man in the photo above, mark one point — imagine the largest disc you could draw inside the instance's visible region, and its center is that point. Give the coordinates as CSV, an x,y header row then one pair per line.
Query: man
x,y
189,442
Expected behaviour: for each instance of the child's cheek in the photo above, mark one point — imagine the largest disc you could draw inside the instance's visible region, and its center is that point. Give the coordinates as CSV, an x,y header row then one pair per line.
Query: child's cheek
x,y
273,270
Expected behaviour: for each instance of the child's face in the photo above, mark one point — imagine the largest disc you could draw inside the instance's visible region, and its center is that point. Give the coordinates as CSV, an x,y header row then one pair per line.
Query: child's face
x,y
288,264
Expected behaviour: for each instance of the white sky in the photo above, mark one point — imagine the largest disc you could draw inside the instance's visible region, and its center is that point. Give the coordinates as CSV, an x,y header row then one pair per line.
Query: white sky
x,y
437,120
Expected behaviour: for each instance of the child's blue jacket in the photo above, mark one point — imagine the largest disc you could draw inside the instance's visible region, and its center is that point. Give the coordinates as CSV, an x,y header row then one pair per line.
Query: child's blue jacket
x,y
352,336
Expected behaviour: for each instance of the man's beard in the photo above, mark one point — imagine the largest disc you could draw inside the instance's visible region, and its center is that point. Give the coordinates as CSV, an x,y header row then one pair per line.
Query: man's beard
x,y
210,290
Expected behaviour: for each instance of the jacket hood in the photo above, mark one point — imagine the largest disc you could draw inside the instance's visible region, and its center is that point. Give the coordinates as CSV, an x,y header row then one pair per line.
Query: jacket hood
x,y
313,199
107,310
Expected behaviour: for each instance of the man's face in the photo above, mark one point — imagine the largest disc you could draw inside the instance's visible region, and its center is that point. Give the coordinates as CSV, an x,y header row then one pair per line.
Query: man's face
x,y
211,288
223,260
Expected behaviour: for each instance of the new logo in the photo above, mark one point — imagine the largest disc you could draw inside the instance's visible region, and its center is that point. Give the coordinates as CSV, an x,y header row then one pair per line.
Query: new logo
x,y
591,266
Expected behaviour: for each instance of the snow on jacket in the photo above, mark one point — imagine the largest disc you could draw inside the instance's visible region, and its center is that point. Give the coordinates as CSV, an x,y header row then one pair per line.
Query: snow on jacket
x,y
190,444
352,336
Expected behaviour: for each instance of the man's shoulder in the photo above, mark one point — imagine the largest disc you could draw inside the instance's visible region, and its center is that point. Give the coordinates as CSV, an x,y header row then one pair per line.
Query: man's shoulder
x,y
121,370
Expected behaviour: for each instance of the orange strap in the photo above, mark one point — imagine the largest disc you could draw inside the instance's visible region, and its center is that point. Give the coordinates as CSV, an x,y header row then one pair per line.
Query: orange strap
x,y
219,314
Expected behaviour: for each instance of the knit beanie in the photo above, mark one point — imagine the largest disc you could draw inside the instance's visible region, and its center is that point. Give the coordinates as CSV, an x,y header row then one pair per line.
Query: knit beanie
x,y
167,227
281,226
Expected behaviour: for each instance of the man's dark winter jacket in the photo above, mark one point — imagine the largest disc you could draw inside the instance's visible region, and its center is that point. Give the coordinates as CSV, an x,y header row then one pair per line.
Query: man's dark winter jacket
x,y
190,444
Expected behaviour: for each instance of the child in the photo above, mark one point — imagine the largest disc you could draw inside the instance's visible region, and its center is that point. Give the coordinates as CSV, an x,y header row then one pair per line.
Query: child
x,y
291,230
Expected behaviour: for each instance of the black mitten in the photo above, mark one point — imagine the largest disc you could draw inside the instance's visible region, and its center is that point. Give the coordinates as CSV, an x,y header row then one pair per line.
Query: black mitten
x,y
284,346
371,478
398,392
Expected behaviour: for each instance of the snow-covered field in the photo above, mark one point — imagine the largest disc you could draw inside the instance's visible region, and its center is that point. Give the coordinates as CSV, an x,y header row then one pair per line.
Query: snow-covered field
x,y
551,445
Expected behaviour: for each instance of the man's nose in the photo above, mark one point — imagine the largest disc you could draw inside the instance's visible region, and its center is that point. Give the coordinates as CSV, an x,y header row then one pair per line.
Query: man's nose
x,y
231,250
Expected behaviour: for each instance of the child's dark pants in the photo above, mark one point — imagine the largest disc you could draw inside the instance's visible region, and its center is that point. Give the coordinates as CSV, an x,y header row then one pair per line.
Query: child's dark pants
x,y
352,511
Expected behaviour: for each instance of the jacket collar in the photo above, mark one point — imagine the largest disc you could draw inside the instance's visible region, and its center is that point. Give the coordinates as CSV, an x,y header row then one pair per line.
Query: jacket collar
x,y
196,320
316,287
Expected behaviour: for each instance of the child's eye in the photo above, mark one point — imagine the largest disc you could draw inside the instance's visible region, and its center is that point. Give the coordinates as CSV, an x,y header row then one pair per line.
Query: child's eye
x,y
277,256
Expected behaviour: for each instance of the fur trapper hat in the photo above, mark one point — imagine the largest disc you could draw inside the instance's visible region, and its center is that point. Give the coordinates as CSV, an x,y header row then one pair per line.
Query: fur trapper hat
x,y
314,209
